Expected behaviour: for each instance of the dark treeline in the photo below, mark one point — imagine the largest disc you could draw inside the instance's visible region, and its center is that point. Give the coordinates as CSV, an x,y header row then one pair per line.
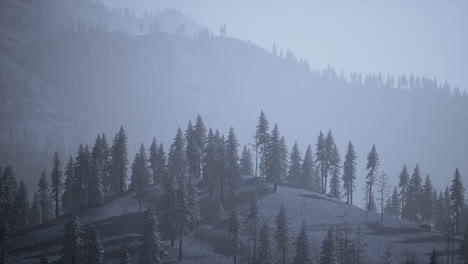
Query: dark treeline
x,y
201,158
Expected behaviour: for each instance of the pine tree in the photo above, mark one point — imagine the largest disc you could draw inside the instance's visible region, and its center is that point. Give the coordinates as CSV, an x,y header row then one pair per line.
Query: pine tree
x,y
8,193
105,164
335,161
140,175
232,160
262,138
392,207
457,198
118,163
414,196
294,172
328,254
200,140
426,203
21,205
98,174
383,193
69,199
56,182
275,158
264,246
307,178
282,232
321,157
330,156
125,256
209,166
34,213
372,166
191,152
169,211
193,203
183,212
404,184
153,160
161,168
82,173
234,230
177,164
302,244
246,164
150,249
95,249
252,221
220,164
72,251
283,158
349,173
44,198
434,257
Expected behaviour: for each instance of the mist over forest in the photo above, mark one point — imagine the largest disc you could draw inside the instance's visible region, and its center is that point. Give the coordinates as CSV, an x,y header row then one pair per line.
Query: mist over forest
x,y
119,120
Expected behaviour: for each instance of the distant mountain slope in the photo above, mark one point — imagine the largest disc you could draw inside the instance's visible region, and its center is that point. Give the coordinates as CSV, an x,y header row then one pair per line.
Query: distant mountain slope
x,y
118,222
66,80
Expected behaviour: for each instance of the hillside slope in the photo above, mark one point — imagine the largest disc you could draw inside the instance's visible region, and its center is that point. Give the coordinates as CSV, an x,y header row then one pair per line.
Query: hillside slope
x,y
118,222
57,89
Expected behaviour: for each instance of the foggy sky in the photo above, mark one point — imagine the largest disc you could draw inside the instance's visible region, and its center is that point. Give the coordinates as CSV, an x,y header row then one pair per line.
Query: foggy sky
x,y
427,38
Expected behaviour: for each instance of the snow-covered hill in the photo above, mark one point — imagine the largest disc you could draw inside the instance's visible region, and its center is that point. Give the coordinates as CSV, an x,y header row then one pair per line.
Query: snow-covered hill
x,y
72,68
118,222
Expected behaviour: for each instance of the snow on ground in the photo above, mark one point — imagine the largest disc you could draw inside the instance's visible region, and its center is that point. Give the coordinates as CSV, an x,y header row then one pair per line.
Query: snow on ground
x,y
118,222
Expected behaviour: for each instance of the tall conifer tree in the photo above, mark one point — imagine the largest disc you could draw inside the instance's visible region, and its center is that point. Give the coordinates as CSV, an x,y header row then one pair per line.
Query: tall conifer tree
x,y
56,182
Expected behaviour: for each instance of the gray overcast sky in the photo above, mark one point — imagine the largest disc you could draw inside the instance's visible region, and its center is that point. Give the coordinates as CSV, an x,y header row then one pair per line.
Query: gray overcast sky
x,y
427,38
